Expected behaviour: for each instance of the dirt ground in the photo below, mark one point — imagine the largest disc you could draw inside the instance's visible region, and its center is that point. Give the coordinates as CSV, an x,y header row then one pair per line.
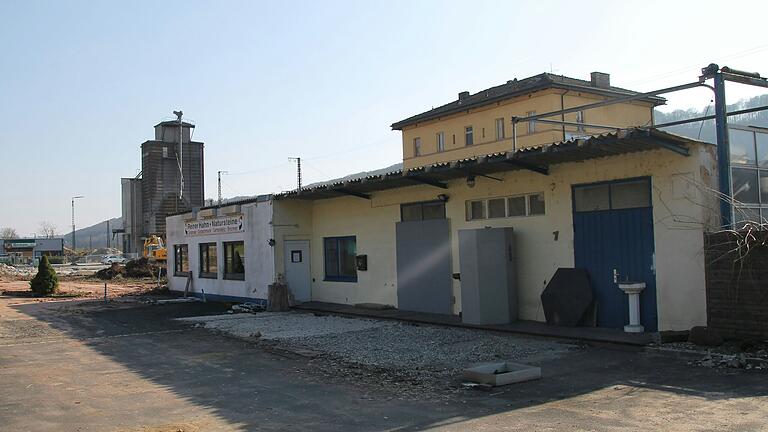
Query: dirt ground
x,y
79,286
127,365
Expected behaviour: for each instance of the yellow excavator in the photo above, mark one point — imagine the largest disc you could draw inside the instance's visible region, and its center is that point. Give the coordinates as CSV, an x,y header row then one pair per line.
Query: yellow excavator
x,y
154,248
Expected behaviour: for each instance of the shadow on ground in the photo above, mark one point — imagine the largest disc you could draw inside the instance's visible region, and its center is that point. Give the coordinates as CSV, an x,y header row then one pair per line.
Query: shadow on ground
x,y
163,372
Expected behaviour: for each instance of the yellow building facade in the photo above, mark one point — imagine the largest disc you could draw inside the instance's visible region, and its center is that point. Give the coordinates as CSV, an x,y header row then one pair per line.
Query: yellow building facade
x,y
475,125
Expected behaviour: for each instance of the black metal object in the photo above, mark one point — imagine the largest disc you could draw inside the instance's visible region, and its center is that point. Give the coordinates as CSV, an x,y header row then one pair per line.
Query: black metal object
x,y
362,262
568,297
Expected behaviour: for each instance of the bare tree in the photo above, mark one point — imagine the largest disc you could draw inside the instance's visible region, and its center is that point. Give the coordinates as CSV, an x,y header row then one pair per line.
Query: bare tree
x,y
8,233
46,229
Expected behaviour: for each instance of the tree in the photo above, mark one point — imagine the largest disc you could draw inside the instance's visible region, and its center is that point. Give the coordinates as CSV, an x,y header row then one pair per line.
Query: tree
x,y
8,233
46,229
45,282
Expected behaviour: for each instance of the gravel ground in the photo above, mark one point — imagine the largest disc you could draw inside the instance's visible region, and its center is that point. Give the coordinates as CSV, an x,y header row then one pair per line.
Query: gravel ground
x,y
391,353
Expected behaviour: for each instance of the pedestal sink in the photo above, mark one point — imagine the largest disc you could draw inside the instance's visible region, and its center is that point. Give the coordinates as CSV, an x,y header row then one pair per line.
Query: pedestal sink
x,y
633,290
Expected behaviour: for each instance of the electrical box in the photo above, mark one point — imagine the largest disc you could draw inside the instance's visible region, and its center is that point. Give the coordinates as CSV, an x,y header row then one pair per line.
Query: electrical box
x,y
487,261
362,262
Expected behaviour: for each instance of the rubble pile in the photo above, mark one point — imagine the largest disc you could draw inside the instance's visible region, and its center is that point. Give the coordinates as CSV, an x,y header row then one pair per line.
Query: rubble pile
x,y
247,307
15,272
140,268
110,272
737,361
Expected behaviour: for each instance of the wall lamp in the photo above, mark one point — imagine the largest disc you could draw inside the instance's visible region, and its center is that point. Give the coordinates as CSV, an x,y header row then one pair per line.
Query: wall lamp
x,y
442,197
471,180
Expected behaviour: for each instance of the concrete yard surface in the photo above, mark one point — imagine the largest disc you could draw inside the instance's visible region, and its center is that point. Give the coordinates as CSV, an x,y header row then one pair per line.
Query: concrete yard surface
x,y
79,365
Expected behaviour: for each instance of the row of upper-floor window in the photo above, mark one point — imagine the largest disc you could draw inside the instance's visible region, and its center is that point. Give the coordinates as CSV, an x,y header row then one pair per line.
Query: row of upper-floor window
x,y
500,133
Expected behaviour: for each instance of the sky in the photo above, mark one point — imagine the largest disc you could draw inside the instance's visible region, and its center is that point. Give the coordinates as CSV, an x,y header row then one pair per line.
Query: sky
x,y
82,83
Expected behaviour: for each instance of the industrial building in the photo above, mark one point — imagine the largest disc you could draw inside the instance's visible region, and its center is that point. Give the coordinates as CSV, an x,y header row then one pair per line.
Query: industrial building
x,y
24,250
157,191
599,189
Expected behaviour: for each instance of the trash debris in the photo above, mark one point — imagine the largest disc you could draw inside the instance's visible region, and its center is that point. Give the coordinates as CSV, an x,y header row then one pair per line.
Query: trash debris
x,y
247,307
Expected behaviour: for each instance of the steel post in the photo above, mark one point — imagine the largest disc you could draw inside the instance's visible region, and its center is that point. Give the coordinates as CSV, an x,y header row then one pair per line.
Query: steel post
x,y
723,151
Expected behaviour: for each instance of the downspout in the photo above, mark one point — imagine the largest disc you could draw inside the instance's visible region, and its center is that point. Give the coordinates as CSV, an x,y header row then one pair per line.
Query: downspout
x,y
562,107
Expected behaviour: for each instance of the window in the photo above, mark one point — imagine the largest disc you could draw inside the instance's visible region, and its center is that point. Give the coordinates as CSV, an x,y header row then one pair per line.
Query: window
x,y
483,132
234,260
612,196
180,260
516,206
536,204
520,205
531,123
468,136
340,261
208,264
580,119
475,210
497,208
417,146
422,211
440,141
749,174
454,139
499,128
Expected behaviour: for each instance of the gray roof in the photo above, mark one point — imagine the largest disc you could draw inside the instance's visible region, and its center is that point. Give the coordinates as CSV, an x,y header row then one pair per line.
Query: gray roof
x,y
537,158
514,88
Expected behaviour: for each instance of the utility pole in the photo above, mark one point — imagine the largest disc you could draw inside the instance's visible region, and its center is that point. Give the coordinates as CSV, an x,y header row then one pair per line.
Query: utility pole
x,y
74,242
298,171
108,238
220,173
181,155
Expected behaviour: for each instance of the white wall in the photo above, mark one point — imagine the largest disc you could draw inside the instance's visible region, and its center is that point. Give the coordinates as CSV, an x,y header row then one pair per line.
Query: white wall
x,y
259,256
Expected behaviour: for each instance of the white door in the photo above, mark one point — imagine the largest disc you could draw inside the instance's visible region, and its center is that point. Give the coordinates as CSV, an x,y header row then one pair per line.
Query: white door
x,y
297,269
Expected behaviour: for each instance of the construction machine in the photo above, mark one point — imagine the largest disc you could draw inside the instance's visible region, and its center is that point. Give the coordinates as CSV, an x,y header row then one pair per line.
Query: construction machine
x,y
154,248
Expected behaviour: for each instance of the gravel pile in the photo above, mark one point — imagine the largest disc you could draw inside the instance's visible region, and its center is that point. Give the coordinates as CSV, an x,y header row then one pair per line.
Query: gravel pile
x,y
405,356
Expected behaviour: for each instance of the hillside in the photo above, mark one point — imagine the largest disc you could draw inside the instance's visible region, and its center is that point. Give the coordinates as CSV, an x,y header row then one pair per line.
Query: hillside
x,y
95,236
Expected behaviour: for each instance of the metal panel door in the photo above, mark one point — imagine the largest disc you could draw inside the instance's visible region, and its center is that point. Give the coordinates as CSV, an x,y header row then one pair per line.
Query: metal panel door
x,y
612,240
297,275
424,266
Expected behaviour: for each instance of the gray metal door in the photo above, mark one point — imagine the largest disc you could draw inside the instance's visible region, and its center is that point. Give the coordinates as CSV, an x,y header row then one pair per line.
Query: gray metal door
x,y
297,269
424,266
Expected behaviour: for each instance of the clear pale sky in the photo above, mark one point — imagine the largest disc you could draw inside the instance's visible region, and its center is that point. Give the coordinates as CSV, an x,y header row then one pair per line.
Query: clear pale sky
x,y
82,82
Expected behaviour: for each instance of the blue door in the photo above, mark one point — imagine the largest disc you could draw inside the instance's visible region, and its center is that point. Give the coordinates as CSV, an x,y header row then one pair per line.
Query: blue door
x,y
613,241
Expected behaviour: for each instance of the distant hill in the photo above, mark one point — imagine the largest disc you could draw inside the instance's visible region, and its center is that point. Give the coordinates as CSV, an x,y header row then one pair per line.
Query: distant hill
x,y
706,131
95,236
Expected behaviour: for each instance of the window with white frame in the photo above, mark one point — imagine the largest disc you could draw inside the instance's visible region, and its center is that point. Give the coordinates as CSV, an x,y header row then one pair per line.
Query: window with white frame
x,y
749,174
499,128
417,146
440,139
500,207
531,123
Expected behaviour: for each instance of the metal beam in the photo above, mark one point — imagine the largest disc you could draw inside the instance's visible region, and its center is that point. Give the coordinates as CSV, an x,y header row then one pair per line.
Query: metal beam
x,y
611,101
427,181
352,193
585,125
709,117
759,82
512,160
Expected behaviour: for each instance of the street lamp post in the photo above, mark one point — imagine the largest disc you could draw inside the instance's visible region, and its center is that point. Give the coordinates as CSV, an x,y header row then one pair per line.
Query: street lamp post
x,y
74,242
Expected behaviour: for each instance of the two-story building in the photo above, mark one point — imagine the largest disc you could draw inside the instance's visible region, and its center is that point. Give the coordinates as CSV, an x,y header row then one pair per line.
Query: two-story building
x,y
598,189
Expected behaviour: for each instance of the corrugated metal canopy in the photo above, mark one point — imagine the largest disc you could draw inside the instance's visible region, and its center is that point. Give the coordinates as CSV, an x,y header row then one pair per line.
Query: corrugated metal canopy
x,y
537,159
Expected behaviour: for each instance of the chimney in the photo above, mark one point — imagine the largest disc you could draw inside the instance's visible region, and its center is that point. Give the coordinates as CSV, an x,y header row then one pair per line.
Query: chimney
x,y
600,79
463,95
